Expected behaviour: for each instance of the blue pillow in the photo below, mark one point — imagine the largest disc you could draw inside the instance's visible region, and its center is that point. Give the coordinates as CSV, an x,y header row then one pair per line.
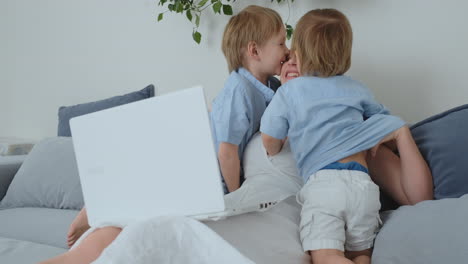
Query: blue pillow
x,y
65,113
430,232
443,142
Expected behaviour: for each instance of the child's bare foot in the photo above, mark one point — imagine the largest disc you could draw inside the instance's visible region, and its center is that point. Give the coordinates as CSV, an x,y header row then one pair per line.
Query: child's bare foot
x,y
77,227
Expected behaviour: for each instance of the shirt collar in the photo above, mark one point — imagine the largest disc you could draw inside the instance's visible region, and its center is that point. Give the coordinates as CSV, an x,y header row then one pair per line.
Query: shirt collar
x,y
265,90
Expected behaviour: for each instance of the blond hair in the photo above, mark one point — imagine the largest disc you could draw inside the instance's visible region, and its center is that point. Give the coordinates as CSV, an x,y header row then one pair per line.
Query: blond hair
x,y
253,23
323,41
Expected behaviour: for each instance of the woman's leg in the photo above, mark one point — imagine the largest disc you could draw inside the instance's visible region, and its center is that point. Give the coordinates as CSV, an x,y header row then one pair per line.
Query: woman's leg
x,y
385,171
360,257
406,178
89,249
329,256
78,227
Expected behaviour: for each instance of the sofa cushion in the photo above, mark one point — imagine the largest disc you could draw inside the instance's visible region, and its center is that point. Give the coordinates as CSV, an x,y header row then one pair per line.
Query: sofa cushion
x,y
47,178
65,113
266,237
39,225
24,252
443,141
9,165
428,232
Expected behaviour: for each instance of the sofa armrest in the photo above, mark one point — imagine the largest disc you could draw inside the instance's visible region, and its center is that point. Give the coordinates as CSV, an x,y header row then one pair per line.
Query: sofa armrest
x,y
9,165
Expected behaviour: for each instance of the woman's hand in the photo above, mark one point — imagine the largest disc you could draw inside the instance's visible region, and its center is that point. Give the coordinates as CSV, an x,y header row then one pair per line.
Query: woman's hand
x,y
392,137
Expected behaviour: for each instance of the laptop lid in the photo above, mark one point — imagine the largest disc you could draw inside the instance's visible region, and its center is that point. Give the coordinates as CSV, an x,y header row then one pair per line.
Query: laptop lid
x,y
148,158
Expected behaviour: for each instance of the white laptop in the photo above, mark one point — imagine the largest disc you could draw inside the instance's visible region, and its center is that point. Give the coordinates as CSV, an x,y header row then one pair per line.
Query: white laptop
x,y
150,158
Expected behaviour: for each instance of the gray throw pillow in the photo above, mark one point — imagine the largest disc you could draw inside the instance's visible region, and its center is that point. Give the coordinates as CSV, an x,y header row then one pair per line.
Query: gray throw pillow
x,y
430,232
47,178
65,113
443,141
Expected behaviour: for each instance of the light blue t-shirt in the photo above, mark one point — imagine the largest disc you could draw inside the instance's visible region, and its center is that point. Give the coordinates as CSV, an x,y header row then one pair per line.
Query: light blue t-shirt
x,y
326,119
237,110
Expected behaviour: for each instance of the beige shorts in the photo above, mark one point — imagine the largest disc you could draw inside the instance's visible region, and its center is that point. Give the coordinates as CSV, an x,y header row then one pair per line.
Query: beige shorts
x,y
340,210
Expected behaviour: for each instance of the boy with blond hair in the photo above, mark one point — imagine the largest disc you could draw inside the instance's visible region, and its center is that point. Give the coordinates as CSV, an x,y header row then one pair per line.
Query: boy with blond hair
x,y
254,47
331,122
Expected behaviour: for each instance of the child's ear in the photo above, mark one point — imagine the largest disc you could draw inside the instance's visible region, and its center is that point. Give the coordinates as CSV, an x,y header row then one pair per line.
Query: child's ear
x,y
252,50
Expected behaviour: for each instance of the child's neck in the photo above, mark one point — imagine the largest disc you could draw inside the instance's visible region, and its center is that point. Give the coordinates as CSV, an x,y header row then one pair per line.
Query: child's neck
x,y
263,78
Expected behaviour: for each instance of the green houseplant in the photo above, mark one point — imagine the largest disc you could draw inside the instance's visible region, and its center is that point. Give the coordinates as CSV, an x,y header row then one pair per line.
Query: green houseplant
x,y
193,11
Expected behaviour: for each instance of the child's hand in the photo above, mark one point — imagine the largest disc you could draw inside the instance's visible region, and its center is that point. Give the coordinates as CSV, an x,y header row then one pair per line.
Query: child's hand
x,y
272,145
390,137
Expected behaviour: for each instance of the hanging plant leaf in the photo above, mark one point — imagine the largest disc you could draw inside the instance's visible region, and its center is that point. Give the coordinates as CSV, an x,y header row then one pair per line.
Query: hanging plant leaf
x,y
217,7
227,10
197,20
289,31
197,37
189,15
195,8
179,7
202,3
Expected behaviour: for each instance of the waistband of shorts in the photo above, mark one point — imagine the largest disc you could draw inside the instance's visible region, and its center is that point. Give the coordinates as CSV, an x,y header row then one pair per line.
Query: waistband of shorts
x,y
346,174
352,165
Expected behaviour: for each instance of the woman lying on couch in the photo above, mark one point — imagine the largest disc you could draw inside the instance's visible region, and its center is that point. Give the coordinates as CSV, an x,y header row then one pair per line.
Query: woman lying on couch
x,y
406,181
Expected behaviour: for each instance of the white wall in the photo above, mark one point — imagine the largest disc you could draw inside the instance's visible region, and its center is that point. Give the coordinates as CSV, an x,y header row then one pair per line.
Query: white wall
x,y
412,54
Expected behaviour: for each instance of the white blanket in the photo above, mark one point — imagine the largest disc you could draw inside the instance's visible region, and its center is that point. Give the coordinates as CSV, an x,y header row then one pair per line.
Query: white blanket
x,y
170,240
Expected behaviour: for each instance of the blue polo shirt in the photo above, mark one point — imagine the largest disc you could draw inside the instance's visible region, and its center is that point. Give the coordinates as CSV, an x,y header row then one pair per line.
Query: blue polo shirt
x,y
326,120
237,110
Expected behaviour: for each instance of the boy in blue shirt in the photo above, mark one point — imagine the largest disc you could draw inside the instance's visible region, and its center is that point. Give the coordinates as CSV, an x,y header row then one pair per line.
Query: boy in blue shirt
x,y
331,122
254,47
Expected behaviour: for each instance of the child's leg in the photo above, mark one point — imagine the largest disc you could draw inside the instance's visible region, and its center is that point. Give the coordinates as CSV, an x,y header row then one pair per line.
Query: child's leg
x,y
77,227
89,249
362,218
322,227
406,178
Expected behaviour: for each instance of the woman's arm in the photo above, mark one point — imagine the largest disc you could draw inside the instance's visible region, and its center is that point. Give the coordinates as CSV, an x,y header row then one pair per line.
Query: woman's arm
x,y
229,162
407,178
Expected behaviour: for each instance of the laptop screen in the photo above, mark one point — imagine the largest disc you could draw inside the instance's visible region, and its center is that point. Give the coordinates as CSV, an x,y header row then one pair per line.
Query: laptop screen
x,y
148,158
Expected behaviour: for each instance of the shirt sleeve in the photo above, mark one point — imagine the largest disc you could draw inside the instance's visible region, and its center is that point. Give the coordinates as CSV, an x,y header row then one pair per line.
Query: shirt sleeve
x,y
372,107
231,122
275,119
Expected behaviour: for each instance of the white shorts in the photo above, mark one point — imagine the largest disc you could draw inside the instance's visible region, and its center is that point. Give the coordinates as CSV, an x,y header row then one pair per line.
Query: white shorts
x,y
340,209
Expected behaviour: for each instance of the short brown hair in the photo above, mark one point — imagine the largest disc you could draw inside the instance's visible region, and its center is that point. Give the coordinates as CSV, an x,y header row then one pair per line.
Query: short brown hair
x,y
253,23
323,41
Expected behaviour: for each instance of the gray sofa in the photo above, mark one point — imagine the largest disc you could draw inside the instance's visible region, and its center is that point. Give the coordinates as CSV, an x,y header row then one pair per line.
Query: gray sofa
x,y
44,196
40,195
429,232
29,234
